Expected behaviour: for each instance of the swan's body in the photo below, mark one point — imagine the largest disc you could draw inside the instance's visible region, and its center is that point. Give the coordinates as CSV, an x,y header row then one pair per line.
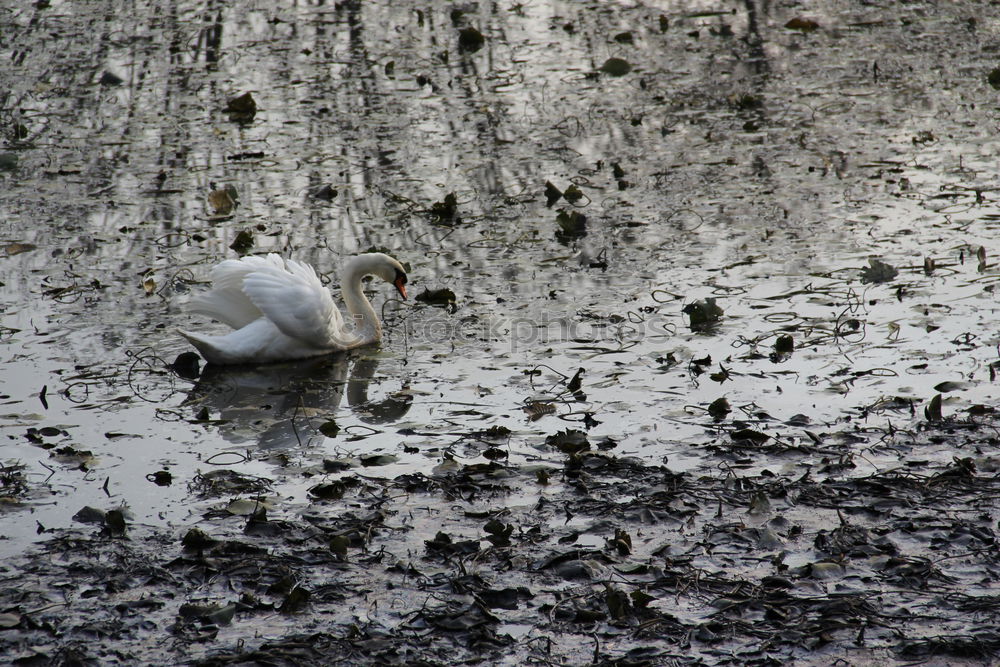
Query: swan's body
x,y
280,310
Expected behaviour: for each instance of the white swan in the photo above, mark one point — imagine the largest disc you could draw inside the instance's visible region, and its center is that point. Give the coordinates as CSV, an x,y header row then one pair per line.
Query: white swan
x,y
281,311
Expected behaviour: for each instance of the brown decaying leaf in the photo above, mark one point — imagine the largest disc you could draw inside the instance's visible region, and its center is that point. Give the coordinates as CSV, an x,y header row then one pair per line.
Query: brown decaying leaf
x,y
538,409
932,411
17,248
221,202
802,24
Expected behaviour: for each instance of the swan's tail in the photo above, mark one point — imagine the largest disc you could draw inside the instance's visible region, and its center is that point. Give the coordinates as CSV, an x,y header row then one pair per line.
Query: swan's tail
x,y
206,347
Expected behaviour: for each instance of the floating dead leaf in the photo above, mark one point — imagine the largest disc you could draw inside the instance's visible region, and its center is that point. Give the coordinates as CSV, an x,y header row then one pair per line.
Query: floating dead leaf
x,y
784,346
538,409
802,24
211,614
114,523
338,546
470,40
228,482
498,533
622,542
495,431
746,101
825,570
446,210
82,458
197,539
19,132
616,67
719,408
759,503
330,490
878,271
325,193
619,605
220,614
17,248
703,314
161,478
572,225
749,435
242,109
994,78
329,428
573,194
444,544
552,194
148,284
376,460
932,411
443,298
221,202
187,365
504,598
570,441
495,454
640,599
110,79
89,514
243,242
247,506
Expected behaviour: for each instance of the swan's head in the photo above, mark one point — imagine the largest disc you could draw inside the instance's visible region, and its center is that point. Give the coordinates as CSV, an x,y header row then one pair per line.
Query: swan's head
x,y
388,269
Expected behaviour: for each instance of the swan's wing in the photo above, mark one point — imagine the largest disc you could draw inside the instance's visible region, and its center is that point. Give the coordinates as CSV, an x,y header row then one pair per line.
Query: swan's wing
x,y
226,301
232,272
295,300
229,306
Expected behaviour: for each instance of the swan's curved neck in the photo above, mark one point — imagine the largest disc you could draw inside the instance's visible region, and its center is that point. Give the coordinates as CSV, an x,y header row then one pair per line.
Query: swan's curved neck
x,y
366,323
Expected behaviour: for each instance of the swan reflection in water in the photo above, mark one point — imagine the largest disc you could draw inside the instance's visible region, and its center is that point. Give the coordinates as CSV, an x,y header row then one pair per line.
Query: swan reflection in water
x,y
284,405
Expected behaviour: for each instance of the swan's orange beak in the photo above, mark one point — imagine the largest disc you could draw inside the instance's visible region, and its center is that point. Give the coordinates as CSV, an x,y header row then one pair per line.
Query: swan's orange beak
x,y
400,283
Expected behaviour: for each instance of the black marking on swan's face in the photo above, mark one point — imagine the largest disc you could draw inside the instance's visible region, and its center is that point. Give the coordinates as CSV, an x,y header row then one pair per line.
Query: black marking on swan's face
x,y
400,282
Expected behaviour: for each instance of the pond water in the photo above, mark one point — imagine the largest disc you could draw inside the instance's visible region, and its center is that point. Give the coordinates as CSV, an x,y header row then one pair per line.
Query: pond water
x,y
736,159
762,174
